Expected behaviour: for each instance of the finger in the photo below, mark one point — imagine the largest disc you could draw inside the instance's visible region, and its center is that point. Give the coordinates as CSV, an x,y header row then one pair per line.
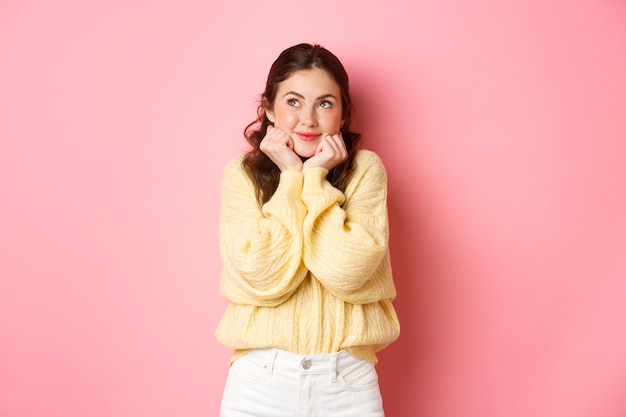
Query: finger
x,y
332,144
341,145
289,142
338,139
320,147
338,147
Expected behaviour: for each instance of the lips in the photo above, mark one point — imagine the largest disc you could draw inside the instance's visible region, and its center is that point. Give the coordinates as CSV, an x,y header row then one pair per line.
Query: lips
x,y
308,137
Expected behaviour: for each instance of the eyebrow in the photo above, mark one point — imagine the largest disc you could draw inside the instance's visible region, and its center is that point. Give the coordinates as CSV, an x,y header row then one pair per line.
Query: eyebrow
x,y
323,96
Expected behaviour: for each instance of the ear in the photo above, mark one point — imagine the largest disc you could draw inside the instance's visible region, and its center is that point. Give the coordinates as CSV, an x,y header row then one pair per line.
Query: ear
x,y
268,111
270,115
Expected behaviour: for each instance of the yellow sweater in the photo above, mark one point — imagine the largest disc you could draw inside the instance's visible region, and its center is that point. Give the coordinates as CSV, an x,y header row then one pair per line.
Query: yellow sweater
x,y
309,271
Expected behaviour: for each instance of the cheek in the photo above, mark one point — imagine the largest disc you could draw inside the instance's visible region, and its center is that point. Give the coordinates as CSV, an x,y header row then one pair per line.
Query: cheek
x,y
333,122
285,118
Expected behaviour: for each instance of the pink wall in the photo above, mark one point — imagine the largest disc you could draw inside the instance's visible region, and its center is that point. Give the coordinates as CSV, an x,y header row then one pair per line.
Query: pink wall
x,y
503,128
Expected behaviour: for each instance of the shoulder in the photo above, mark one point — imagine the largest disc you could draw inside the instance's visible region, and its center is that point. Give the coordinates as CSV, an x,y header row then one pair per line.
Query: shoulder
x,y
366,160
367,157
369,172
233,166
234,163
233,170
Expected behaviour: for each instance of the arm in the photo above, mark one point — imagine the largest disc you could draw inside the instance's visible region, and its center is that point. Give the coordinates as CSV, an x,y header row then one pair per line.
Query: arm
x,y
345,247
261,247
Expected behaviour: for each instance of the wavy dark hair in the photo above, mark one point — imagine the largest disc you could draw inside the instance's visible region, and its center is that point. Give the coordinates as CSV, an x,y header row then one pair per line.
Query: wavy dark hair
x,y
259,167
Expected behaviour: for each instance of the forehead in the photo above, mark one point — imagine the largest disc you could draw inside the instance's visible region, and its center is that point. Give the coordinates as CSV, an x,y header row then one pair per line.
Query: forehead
x,y
313,82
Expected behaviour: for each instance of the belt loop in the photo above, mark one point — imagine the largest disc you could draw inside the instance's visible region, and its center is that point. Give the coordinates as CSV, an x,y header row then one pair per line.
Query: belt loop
x,y
272,360
333,367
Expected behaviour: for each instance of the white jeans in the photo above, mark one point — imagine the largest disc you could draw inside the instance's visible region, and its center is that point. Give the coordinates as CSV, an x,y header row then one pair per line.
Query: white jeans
x,y
275,383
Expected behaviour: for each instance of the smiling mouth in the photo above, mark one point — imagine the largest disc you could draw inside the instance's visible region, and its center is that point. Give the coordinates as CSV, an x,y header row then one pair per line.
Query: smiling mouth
x,y
308,137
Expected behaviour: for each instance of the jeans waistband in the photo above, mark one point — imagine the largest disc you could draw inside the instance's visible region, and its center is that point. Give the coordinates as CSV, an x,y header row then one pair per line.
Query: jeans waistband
x,y
273,359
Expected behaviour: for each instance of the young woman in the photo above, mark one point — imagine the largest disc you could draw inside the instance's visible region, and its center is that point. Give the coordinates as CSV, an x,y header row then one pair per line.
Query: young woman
x,y
304,243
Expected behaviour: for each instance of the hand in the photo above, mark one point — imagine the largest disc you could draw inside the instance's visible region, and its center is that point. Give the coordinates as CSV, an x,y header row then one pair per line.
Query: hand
x,y
329,153
278,146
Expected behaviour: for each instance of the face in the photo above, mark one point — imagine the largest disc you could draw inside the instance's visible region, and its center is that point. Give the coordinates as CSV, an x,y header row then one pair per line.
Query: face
x,y
308,108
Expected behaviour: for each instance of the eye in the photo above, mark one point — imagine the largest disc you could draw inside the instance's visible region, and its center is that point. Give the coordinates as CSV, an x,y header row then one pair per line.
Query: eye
x,y
293,102
325,104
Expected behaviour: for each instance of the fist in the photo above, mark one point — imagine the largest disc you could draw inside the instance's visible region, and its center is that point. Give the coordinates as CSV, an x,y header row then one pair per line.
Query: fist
x,y
278,146
329,153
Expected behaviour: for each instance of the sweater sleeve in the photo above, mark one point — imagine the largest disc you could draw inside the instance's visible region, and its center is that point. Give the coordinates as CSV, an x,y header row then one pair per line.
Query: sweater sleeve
x,y
346,236
261,247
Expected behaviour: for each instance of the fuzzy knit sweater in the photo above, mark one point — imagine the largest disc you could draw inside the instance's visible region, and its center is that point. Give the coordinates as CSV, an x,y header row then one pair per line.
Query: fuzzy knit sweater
x,y
308,271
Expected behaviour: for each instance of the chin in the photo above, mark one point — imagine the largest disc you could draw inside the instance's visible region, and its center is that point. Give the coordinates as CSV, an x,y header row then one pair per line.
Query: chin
x,y
304,156
305,153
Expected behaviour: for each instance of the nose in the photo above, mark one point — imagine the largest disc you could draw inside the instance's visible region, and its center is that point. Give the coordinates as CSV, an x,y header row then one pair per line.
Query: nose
x,y
308,117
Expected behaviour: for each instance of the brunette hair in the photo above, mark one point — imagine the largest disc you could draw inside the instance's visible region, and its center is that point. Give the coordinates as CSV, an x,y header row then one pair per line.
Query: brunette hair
x,y
259,167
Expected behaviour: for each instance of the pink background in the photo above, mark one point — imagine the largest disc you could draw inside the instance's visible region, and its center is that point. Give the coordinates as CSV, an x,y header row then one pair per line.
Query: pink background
x,y
503,128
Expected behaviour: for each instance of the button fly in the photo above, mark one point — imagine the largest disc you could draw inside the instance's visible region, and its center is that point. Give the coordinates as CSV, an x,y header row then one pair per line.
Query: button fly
x,y
306,364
